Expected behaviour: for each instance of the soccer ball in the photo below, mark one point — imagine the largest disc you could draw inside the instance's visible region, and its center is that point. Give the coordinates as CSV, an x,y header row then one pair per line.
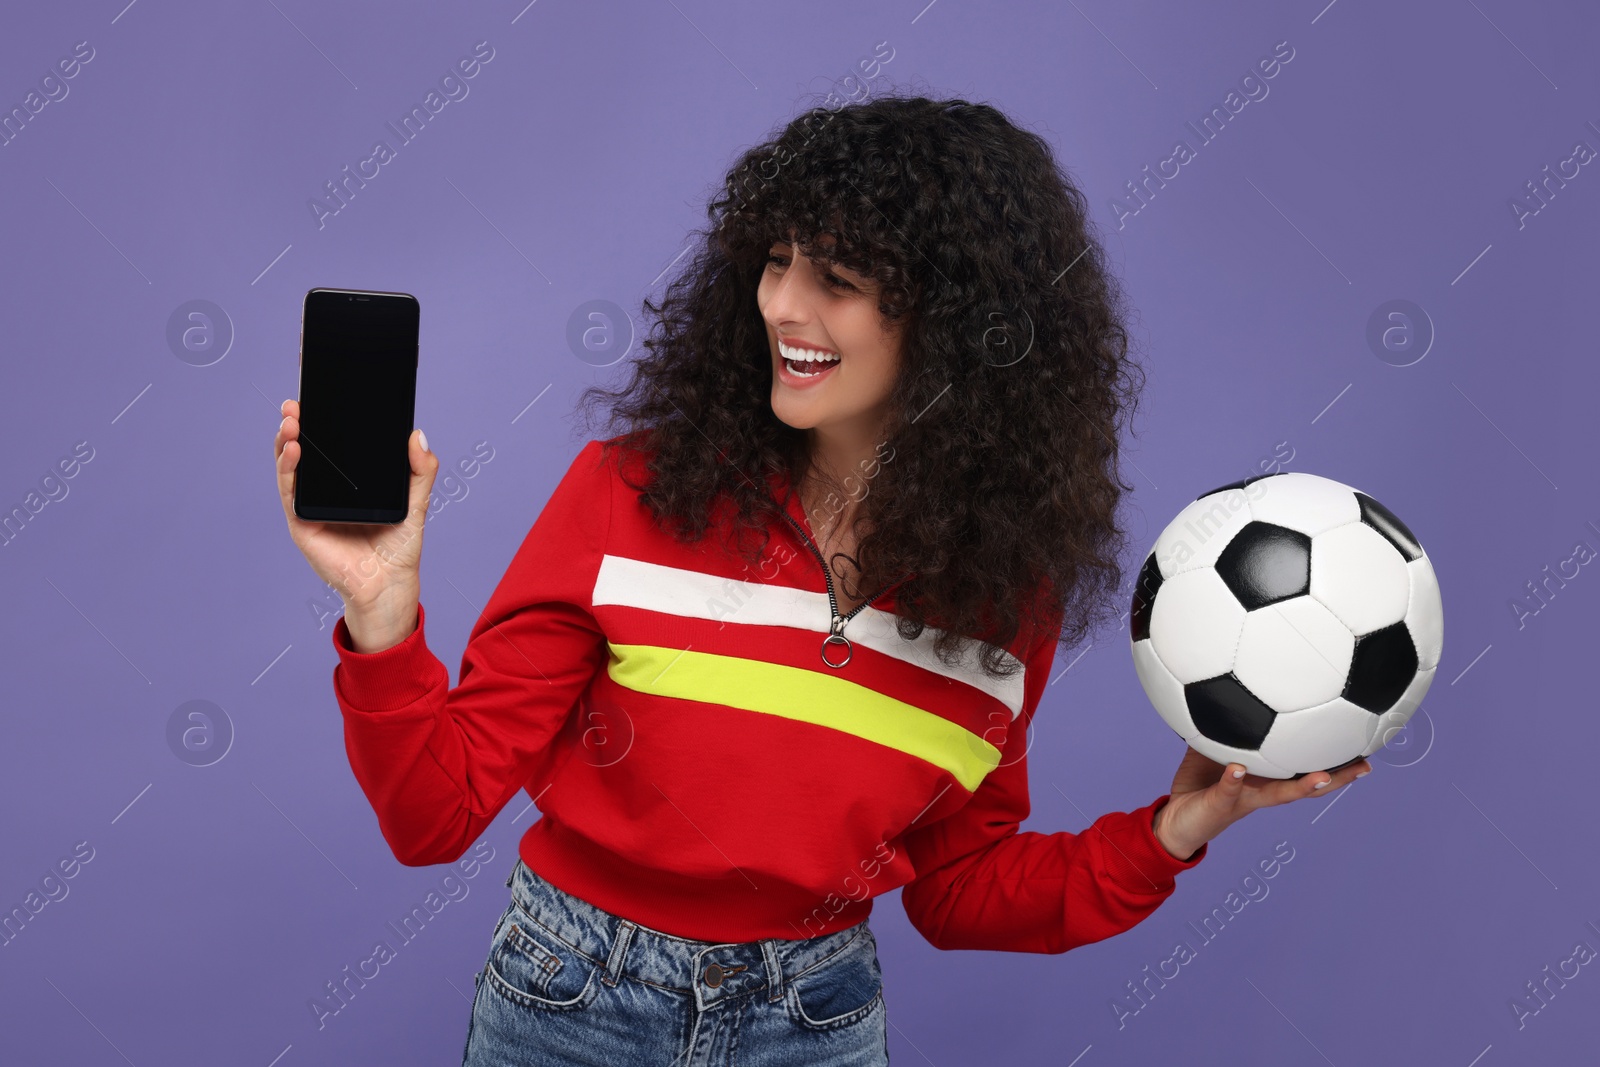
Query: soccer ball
x,y
1286,622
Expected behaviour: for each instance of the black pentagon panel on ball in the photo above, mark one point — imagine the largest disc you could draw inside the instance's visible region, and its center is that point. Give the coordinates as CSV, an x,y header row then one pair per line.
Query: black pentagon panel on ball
x,y
1239,484
1352,761
1144,598
1266,563
1394,531
1384,664
1228,713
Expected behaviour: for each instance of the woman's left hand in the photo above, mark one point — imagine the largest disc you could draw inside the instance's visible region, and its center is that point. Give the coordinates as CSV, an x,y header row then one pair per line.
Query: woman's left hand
x,y
1207,798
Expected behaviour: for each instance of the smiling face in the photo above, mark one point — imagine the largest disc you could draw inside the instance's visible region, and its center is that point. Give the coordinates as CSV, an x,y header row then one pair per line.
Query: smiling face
x,y
831,316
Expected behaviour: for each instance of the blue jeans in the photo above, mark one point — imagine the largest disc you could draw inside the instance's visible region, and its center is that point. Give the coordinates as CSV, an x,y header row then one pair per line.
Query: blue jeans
x,y
569,983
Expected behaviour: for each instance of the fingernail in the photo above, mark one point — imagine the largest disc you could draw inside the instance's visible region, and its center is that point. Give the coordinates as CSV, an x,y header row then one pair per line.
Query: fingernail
x,y
1319,785
1238,774
1363,774
422,439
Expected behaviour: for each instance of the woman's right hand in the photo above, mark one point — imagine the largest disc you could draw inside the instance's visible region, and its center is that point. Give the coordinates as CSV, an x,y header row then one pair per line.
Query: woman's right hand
x,y
372,568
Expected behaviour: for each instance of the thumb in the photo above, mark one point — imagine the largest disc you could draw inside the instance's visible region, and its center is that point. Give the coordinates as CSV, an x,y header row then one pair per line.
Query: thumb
x,y
424,467
1231,784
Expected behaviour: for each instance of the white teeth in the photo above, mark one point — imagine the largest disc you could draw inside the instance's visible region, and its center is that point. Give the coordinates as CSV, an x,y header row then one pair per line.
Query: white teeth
x,y
805,355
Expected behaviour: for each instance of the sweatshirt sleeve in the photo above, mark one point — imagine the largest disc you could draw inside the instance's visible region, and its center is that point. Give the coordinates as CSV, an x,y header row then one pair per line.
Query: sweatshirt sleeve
x,y
982,884
438,764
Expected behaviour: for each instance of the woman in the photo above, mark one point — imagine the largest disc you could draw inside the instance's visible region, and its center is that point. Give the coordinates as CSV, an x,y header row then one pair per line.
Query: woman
x,y
775,649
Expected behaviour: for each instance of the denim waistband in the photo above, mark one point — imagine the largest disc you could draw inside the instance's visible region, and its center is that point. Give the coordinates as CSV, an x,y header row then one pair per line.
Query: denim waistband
x,y
710,970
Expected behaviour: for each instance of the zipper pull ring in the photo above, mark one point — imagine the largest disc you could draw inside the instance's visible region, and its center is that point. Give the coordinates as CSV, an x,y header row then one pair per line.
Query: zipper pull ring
x,y
836,637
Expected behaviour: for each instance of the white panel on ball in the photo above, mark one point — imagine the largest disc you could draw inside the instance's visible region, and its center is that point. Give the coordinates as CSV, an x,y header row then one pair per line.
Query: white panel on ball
x,y
1163,690
1388,724
1200,532
1304,502
1195,625
1319,738
1425,616
1294,654
1254,762
1360,576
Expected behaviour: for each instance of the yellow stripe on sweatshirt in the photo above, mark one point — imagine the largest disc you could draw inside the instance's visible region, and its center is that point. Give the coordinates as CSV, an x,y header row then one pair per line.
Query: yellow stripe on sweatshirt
x,y
806,696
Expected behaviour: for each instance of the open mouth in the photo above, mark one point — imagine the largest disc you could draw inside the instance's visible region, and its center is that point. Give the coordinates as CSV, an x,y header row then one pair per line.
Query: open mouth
x,y
806,363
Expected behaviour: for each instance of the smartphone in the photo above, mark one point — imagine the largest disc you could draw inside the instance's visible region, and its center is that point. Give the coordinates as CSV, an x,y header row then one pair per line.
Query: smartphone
x,y
358,392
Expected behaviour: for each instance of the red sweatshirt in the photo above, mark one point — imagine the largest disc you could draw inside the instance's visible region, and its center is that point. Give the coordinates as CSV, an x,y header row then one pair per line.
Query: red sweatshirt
x,y
702,771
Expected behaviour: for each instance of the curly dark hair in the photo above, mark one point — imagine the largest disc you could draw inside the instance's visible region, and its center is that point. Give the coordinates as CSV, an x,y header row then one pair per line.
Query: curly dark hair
x,y
1000,501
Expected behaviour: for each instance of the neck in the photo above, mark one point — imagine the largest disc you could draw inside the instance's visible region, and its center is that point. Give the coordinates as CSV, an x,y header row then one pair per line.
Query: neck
x,y
835,454
837,460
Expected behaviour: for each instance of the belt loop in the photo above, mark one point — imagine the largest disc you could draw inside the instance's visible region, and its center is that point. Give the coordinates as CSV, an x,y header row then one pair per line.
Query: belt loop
x,y
619,950
769,950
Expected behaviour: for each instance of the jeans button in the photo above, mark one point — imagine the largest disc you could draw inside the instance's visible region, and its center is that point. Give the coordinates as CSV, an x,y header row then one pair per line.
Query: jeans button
x,y
713,976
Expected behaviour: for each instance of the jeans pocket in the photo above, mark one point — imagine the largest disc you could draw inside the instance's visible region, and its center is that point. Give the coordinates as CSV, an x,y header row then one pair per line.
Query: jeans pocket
x,y
843,989
531,967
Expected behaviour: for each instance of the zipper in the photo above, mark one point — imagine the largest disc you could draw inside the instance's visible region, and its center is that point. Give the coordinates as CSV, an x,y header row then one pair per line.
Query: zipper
x,y
836,627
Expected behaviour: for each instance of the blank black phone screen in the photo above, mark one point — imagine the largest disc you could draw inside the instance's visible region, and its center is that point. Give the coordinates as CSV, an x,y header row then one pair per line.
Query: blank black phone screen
x,y
358,387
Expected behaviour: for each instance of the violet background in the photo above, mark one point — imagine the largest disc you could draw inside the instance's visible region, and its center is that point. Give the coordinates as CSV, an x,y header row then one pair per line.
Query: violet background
x,y
1381,165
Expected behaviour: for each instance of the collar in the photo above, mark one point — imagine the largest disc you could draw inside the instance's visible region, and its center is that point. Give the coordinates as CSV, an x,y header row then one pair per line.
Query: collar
x,y
786,497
